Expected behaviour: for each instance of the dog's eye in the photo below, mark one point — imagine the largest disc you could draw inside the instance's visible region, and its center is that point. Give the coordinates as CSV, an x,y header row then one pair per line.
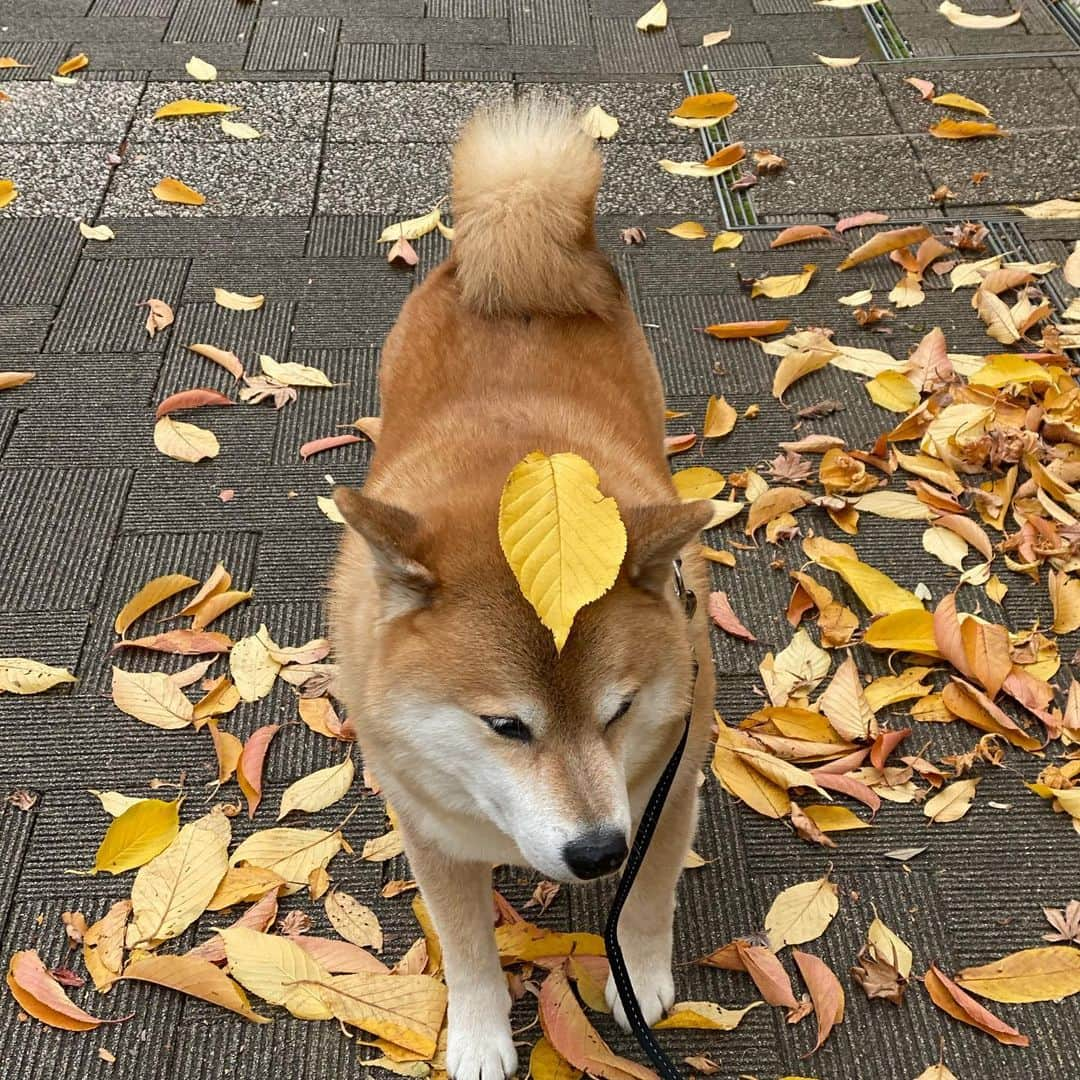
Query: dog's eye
x,y
509,727
622,710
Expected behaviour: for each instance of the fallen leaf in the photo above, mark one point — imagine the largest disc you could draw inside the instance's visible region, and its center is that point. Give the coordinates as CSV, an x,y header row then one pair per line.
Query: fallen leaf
x,y
698,169
721,614
73,64
599,124
784,285
801,913
19,675
952,802
726,241
196,977
731,331
249,769
845,705
159,316
704,1016
825,992
720,419
653,19
291,853
837,61
797,233
252,666
411,229
329,442
185,442
355,922
339,957
180,643
714,106
43,998
201,70
236,130
151,697
714,38
292,374
688,230
96,232
767,973
172,890
958,17
958,101
176,191
1052,210
868,217
8,192
884,242
137,836
964,129
222,357
10,379
191,107
952,999
238,302
318,790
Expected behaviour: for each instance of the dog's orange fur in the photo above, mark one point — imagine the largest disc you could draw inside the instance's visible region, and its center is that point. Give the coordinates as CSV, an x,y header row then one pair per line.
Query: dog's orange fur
x,y
523,340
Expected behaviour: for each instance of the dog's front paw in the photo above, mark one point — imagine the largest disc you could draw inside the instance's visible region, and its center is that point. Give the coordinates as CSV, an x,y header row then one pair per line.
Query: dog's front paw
x,y
649,965
479,1046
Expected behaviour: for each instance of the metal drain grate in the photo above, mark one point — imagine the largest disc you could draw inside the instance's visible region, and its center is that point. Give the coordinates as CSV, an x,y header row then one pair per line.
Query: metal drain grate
x,y
887,35
736,205
1067,14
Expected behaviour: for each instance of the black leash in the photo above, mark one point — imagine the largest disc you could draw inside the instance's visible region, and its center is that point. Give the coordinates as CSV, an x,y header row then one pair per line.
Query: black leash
x,y
667,1069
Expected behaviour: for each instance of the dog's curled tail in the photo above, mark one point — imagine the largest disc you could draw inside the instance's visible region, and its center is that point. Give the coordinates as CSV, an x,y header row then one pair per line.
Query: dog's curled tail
x,y
524,193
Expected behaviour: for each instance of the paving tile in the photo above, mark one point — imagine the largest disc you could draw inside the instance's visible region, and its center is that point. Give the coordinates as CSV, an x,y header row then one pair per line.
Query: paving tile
x,y
45,251
387,112
94,112
162,59
237,179
56,180
24,329
410,178
101,310
623,49
210,20
373,28
40,58
59,529
132,7
66,28
468,9
288,111
550,22
293,44
448,56
1028,169
634,183
379,61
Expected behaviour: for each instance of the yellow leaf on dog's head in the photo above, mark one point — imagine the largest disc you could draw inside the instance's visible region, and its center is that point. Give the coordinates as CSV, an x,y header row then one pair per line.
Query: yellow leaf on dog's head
x,y
19,675
237,301
653,19
191,107
137,835
801,913
563,538
176,191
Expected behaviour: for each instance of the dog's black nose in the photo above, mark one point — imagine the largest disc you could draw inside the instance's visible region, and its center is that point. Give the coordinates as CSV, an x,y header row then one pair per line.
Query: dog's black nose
x,y
594,854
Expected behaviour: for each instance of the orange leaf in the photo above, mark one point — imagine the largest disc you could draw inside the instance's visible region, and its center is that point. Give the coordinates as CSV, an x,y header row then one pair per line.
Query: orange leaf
x,y
883,243
964,129
720,612
768,974
191,399
73,63
40,995
228,749
868,217
986,646
980,712
329,442
825,992
727,331
176,191
707,106
726,155
797,233
772,503
180,643
948,997
249,774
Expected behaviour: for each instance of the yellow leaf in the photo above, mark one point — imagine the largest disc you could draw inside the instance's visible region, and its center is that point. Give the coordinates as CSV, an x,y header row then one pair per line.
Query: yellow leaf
x,y
893,391
907,292
884,242
191,107
235,130
856,299
1051,210
201,70
838,61
185,442
239,302
772,504
564,540
704,1015
599,124
354,921
698,483
834,818
878,592
291,853
252,666
794,366
888,948
523,941
715,38
174,889
1065,598
149,596
952,802
693,168
654,19
937,1072
151,697
1043,974
72,64
734,769
96,232
176,191
958,17
783,285
113,803
945,545
725,241
845,705
10,379
406,1010
103,945
293,374
318,790
546,1063
243,885
720,419
196,977
412,229
137,835
713,106
958,101
382,848
801,913
278,971
8,192
19,675
964,129
908,629
688,230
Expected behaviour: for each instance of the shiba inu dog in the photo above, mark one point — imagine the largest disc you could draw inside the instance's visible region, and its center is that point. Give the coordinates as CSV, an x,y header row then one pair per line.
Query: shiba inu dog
x,y
491,746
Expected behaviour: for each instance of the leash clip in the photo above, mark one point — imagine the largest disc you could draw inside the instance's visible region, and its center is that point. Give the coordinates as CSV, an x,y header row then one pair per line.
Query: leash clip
x,y
687,596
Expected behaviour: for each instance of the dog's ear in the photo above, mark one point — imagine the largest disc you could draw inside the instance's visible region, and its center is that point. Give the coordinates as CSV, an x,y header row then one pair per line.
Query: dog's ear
x,y
392,535
656,535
